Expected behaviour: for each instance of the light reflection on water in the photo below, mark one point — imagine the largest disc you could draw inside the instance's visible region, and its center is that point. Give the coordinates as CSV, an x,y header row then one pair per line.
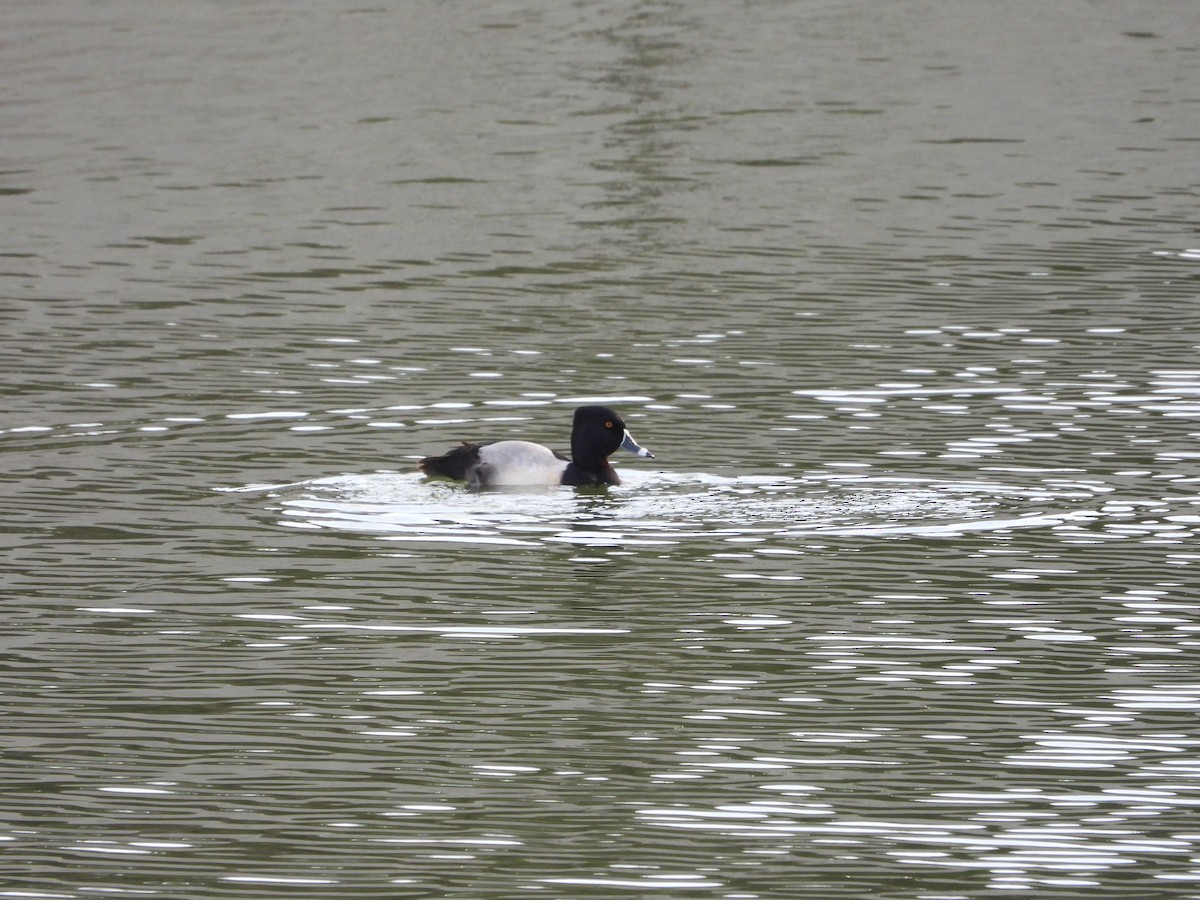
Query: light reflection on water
x,y
747,736
652,509
668,507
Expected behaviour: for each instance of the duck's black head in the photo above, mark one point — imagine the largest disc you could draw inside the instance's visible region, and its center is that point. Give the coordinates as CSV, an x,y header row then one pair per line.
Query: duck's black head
x,y
597,432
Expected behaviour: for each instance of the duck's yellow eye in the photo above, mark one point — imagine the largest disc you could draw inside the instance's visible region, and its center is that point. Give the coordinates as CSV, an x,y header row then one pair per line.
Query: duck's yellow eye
x,y
608,424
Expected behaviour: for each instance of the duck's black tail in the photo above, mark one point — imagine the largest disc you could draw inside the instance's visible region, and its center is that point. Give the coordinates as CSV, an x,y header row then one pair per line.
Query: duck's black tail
x,y
453,464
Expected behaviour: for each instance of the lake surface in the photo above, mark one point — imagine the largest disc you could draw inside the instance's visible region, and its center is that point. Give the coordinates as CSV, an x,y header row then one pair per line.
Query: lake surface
x,y
904,298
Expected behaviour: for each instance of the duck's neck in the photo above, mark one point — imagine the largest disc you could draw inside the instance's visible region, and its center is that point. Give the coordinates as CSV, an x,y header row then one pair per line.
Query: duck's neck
x,y
591,472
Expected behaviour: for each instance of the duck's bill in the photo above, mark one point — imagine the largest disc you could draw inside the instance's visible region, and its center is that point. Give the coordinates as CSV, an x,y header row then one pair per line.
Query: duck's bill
x,y
634,447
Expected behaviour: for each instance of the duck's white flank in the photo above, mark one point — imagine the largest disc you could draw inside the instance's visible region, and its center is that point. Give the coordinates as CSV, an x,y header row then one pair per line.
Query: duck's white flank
x,y
520,462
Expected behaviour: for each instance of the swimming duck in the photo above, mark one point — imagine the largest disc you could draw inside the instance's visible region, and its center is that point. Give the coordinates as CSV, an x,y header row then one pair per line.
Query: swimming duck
x,y
596,431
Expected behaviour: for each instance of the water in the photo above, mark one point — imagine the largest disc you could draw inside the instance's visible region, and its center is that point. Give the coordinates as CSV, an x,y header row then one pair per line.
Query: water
x,y
906,604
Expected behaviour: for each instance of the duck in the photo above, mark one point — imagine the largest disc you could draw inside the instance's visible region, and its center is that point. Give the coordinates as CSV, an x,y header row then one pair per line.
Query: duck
x,y
596,433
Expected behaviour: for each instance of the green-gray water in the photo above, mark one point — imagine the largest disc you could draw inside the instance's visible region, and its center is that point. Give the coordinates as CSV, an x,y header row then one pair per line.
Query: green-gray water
x,y
904,299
